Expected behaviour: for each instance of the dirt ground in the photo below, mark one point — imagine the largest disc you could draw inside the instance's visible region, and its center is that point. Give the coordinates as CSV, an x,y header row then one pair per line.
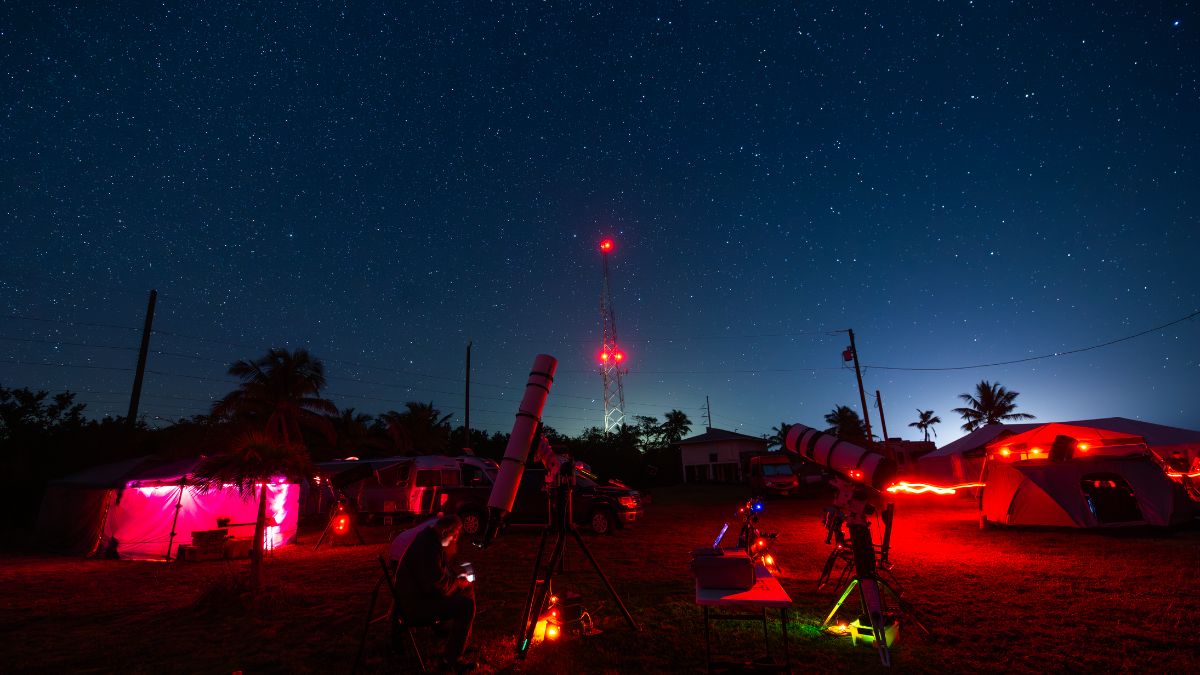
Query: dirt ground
x,y
995,600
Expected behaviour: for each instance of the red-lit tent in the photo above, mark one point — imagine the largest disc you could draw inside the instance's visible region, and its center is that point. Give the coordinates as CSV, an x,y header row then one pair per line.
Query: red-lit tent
x,y
144,509
1085,440
1075,476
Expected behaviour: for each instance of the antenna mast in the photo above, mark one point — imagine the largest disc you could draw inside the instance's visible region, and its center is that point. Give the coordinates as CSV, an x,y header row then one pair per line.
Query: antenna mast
x,y
612,359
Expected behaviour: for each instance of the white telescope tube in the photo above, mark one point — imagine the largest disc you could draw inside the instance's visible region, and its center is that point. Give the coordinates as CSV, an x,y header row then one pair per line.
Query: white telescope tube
x,y
858,464
512,466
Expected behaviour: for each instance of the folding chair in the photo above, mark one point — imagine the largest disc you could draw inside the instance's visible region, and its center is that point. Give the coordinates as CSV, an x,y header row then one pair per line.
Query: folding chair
x,y
394,616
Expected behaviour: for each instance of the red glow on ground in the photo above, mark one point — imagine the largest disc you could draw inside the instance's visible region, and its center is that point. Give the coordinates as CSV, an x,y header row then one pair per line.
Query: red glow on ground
x,y
925,488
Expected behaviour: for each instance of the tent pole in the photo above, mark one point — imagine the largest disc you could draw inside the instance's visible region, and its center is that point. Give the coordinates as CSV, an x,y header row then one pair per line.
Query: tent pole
x,y
178,505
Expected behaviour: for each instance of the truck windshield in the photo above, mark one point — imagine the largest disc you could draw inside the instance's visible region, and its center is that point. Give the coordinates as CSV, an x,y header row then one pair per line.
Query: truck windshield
x,y
776,470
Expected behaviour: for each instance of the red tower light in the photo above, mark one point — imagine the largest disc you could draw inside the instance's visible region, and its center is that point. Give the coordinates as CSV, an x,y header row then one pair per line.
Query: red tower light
x,y
604,356
619,356
606,246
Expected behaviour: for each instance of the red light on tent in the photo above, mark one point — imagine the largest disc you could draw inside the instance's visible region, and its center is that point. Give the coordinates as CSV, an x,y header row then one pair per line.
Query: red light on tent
x,y
606,246
856,474
1005,452
1035,451
1083,447
551,632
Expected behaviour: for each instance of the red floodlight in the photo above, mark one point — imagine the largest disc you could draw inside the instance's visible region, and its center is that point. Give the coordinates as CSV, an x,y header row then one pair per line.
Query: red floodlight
x,y
341,524
606,246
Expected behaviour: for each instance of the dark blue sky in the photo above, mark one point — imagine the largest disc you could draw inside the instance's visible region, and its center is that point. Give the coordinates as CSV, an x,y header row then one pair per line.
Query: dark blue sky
x,y
959,182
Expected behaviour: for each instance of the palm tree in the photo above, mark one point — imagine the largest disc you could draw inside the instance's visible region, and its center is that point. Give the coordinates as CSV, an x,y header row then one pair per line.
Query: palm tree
x,y
778,436
926,420
253,461
990,404
846,424
279,393
675,426
420,428
356,434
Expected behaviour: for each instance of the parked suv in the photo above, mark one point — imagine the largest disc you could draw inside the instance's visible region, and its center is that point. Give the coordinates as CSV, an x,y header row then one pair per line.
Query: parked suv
x,y
600,506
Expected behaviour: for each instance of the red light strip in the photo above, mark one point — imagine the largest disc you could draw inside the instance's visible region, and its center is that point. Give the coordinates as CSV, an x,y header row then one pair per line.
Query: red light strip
x,y
922,488
1176,474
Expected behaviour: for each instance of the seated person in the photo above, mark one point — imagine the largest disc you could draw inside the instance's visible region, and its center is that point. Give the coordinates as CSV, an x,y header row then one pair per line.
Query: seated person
x,y
428,590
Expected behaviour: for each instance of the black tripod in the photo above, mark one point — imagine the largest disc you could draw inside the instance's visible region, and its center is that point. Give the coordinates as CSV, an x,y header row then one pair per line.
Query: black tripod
x,y
341,520
562,523
868,577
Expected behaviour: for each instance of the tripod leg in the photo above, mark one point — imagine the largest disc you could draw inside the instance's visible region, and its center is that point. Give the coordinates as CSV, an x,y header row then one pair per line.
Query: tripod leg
x,y
838,605
537,603
533,583
874,604
827,569
323,535
906,608
607,584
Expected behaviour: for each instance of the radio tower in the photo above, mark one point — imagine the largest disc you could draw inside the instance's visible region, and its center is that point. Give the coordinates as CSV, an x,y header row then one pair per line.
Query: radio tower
x,y
612,359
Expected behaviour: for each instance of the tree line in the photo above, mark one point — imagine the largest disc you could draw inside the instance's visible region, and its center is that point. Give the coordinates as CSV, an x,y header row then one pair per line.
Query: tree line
x,y
990,403
276,420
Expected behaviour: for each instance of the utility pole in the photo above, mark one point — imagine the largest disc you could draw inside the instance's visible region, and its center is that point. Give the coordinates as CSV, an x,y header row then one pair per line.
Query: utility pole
x,y
883,422
708,415
467,402
862,396
136,396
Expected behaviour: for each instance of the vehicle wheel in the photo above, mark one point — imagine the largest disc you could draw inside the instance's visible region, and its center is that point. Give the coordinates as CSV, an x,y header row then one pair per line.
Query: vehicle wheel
x,y
472,522
603,522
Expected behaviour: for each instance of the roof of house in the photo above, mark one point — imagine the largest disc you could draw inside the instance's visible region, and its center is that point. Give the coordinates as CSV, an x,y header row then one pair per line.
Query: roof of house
x,y
717,435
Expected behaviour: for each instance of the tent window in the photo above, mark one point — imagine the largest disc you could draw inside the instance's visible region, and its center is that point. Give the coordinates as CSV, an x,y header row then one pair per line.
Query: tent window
x,y
1110,498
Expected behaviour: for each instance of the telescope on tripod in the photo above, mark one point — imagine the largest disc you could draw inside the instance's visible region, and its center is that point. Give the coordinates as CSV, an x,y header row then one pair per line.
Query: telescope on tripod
x,y
861,475
526,438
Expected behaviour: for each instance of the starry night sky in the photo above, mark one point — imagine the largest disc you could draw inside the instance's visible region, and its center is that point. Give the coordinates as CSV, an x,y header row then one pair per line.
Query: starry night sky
x,y
959,182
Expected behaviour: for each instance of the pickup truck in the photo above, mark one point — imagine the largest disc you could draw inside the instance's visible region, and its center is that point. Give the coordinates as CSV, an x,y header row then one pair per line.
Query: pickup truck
x,y
600,506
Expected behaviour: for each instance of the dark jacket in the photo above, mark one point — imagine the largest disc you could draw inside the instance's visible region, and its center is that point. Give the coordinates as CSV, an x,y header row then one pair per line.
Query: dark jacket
x,y
424,576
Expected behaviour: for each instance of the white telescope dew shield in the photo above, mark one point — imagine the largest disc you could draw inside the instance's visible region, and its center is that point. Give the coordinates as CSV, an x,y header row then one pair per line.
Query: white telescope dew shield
x,y
856,463
512,466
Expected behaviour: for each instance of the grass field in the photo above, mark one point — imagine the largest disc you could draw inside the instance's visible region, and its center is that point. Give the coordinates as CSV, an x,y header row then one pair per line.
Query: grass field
x,y
997,600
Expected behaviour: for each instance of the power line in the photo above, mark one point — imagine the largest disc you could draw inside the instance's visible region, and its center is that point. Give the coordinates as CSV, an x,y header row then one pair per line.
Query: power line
x,y
1054,354
70,323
